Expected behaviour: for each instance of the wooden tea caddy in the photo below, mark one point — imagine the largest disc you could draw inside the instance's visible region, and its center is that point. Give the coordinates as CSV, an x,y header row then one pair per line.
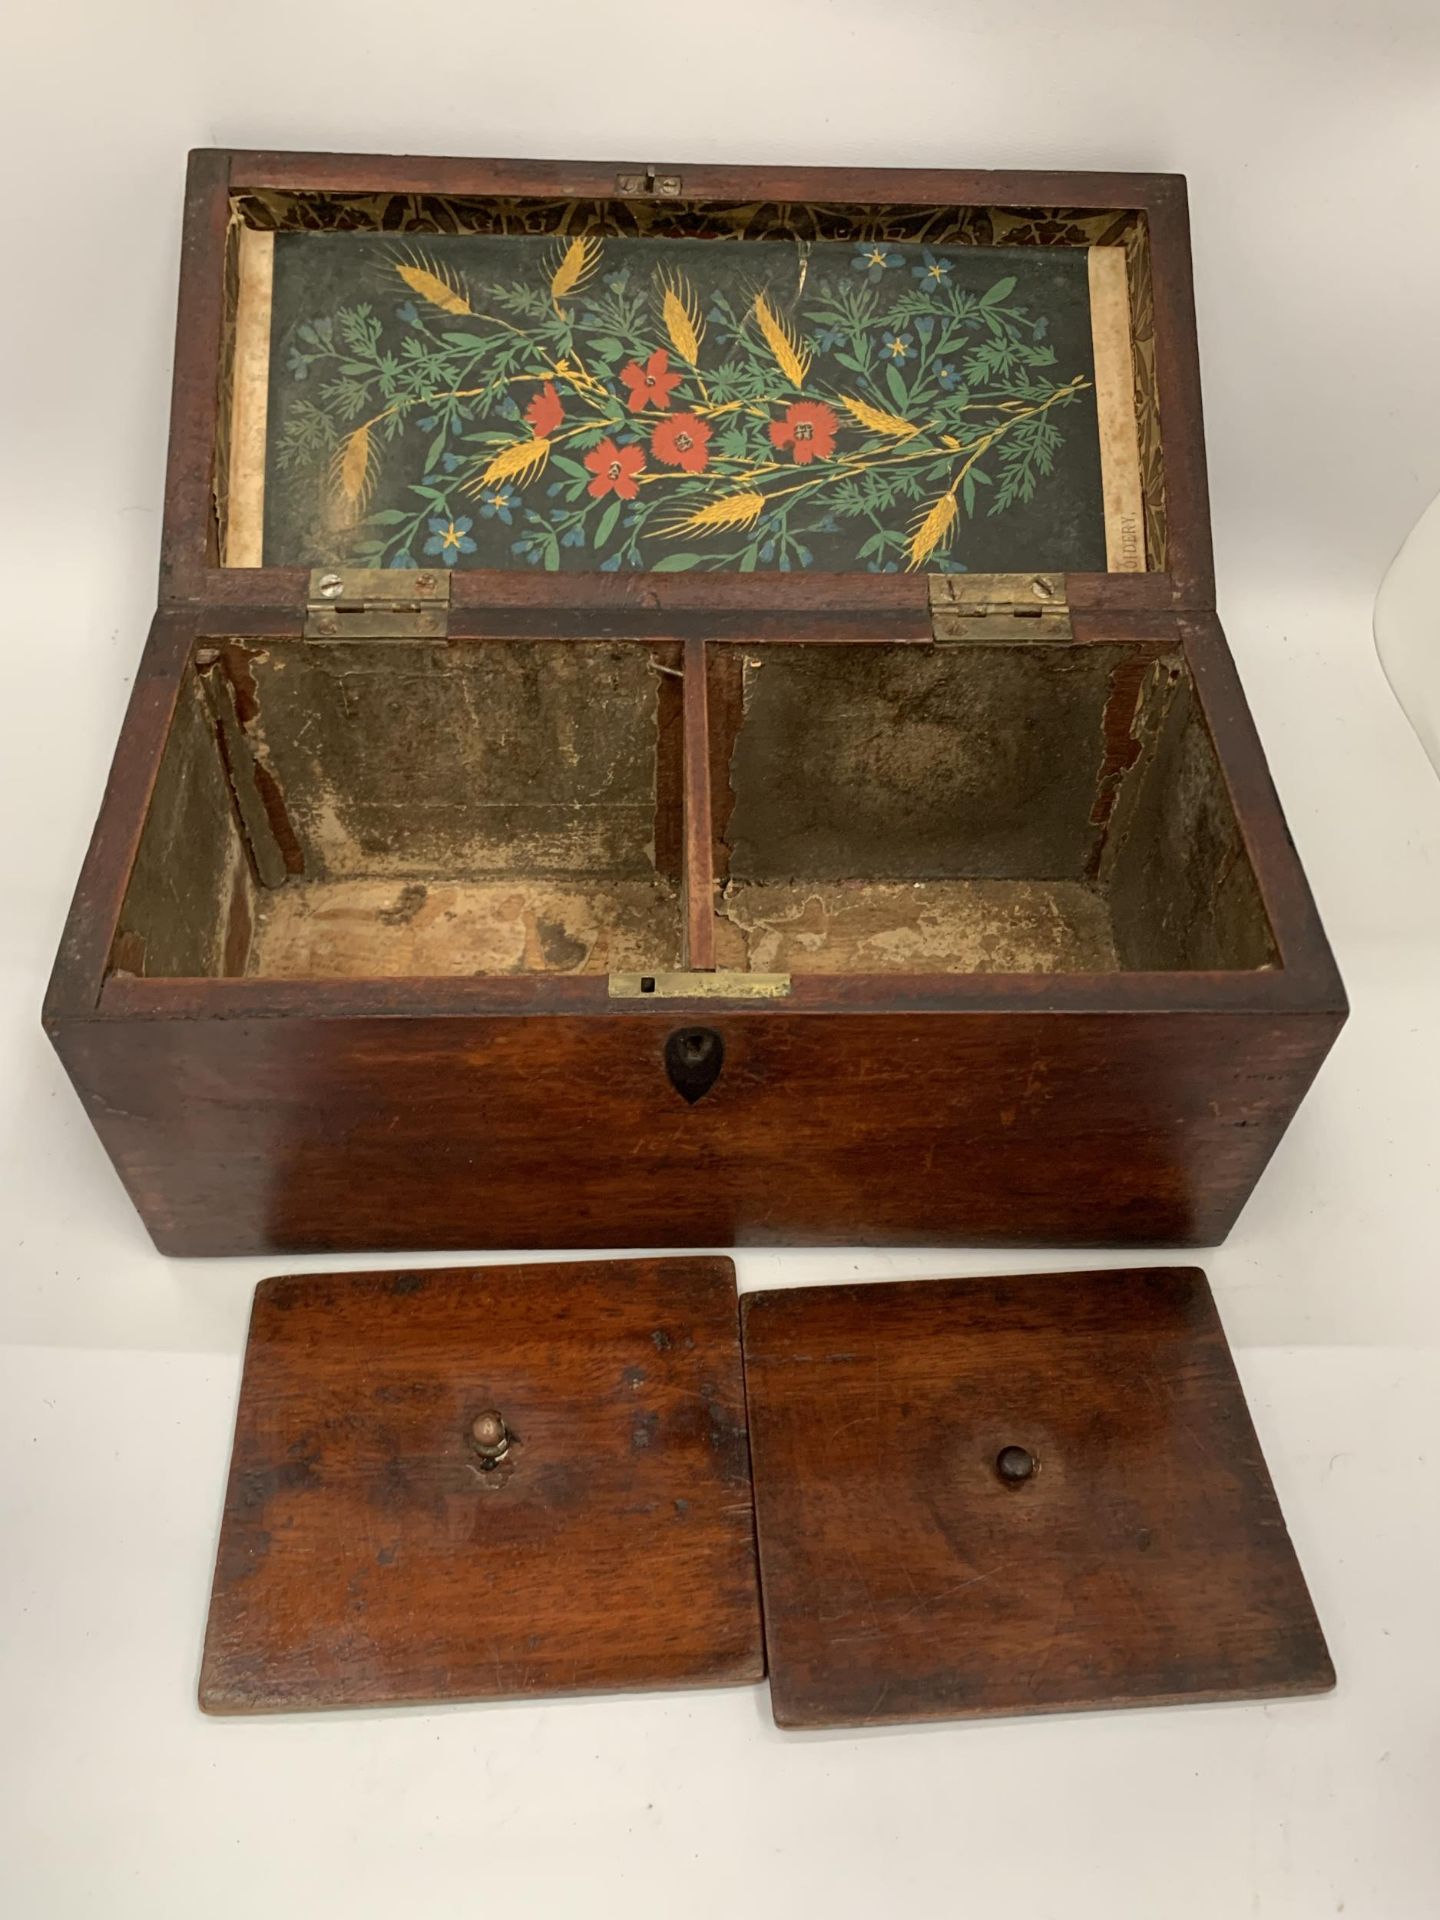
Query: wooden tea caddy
x,y
511,899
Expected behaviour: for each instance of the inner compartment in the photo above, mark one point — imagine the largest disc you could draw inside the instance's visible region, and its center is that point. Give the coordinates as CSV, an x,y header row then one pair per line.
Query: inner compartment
x,y
663,384
972,809
364,809
358,810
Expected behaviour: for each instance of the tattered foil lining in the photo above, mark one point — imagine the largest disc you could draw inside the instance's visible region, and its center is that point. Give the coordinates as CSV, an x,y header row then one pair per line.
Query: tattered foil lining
x,y
309,212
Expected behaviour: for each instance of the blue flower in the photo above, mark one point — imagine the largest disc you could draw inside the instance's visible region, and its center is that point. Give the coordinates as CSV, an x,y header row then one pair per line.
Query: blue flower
x,y
948,376
403,560
899,346
574,538
450,461
876,566
407,313
828,338
873,261
497,505
450,538
612,565
933,269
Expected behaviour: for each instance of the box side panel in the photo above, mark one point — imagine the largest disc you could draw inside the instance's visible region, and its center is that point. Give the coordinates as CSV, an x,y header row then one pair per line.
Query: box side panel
x,y
246,1135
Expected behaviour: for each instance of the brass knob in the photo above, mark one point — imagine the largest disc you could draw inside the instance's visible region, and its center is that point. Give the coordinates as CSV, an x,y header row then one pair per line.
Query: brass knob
x,y
490,1435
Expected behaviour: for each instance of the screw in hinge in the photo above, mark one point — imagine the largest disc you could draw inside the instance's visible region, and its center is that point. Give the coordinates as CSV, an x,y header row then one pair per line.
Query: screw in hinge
x,y
490,1437
331,585
1042,589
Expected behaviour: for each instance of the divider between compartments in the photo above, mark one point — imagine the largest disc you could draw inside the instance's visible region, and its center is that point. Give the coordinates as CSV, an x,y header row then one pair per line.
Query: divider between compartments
x,y
698,881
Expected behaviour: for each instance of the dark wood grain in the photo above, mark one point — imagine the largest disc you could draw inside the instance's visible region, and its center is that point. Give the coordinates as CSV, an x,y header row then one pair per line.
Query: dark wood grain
x,y
510,1130
189,546
369,1555
1145,1559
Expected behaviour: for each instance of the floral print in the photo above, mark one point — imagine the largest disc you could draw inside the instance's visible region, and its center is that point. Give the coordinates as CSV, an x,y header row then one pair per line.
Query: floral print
x,y
682,442
546,412
808,431
670,405
614,469
650,385
449,539
932,269
875,261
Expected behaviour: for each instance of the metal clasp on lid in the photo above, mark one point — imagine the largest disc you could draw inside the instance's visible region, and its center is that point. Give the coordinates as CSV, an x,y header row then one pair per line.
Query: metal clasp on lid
x,y
649,184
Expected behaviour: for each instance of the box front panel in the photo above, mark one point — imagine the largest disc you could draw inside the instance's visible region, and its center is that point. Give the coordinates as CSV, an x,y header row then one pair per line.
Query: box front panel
x,y
239,1136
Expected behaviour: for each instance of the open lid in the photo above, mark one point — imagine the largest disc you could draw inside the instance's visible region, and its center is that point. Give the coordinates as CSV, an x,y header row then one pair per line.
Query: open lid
x,y
505,1481
1014,1496
610,390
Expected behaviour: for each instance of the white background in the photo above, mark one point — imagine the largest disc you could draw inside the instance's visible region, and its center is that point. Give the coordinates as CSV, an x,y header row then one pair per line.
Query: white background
x,y
1311,136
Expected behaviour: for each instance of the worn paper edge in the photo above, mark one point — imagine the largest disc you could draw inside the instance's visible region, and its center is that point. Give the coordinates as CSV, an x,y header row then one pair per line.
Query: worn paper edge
x,y
250,398
1115,411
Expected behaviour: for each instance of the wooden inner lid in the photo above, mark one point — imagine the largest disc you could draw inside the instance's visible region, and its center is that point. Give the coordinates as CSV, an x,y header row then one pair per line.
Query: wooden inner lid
x,y
484,1483
1013,1496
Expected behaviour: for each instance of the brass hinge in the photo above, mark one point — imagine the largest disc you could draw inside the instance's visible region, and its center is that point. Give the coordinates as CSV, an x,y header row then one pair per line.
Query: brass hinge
x,y
649,184
723,983
998,608
378,603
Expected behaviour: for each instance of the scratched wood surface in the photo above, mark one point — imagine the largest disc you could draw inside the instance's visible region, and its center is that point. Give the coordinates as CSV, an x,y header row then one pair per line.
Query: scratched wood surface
x,y
370,1555
1143,1560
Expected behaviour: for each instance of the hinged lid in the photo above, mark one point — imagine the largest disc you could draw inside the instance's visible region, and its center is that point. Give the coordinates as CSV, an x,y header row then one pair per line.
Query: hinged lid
x,y
1013,1495
992,608
489,1482
369,603
595,390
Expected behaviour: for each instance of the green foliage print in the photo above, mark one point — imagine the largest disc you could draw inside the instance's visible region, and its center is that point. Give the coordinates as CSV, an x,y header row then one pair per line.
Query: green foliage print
x,y
566,404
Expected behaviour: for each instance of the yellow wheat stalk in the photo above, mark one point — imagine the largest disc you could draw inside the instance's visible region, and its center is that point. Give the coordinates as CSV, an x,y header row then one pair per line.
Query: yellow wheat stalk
x,y
680,311
877,420
933,531
520,461
577,263
731,510
354,466
792,358
434,284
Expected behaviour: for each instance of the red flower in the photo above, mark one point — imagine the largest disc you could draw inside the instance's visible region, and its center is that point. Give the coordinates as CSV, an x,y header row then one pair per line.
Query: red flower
x,y
809,428
650,385
682,441
546,411
614,469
